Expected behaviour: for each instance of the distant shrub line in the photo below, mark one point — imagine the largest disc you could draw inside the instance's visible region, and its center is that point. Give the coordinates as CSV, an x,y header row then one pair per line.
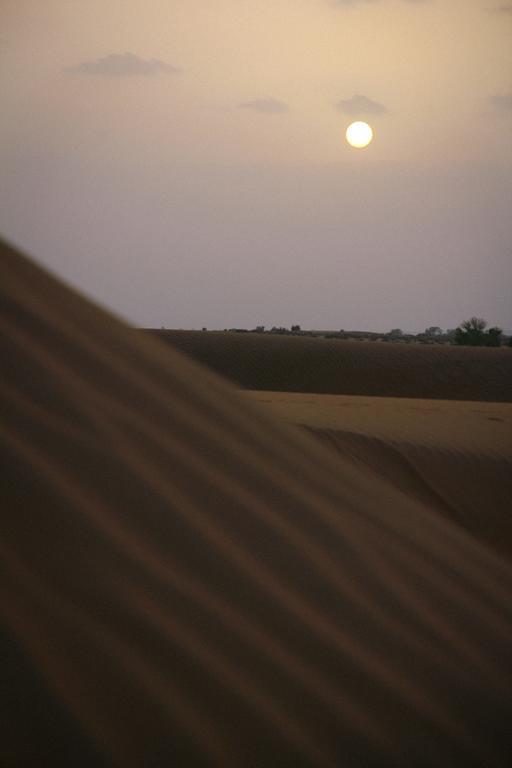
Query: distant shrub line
x,y
470,333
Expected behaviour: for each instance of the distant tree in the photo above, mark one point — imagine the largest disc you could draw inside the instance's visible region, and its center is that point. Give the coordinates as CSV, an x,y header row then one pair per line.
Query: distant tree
x,y
204,329
259,329
433,331
494,337
431,335
395,333
474,324
295,328
472,333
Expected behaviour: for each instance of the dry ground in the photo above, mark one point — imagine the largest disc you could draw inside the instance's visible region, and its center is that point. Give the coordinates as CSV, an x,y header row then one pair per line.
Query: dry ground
x,y
484,427
188,581
454,456
331,366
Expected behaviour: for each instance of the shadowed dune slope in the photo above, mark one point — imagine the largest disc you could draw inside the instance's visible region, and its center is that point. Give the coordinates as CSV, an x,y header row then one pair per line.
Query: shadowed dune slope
x,y
185,581
469,487
454,456
331,366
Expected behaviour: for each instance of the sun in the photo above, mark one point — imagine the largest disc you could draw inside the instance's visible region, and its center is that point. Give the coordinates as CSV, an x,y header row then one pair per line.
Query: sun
x,y
359,135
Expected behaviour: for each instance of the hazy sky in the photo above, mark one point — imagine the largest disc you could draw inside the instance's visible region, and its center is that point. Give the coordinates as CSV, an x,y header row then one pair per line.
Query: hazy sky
x,y
184,163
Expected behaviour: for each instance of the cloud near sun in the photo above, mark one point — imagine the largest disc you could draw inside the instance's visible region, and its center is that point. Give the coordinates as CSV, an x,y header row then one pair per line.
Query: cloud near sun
x,y
360,105
503,102
123,65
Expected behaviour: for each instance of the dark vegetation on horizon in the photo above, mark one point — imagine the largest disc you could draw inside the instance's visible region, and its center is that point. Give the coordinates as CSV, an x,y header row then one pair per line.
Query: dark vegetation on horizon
x,y
470,333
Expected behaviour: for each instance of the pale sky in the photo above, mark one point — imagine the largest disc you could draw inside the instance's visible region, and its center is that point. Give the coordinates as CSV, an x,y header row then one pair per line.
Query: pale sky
x,y
183,162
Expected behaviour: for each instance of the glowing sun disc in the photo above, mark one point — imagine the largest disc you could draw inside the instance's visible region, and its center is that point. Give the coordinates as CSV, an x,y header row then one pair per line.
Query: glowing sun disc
x,y
359,134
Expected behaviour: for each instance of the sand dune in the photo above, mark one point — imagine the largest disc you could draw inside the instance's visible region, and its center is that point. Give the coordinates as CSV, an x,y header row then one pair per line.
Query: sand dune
x,y
187,580
456,457
458,425
331,366
471,488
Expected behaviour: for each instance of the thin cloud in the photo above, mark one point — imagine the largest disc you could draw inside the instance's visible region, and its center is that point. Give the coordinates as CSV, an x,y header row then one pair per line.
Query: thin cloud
x,y
502,103
266,106
349,3
123,65
360,105
504,8
345,3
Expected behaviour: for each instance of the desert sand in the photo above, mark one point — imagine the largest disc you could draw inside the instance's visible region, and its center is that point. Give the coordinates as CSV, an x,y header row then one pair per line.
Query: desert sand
x,y
187,579
456,456
336,367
